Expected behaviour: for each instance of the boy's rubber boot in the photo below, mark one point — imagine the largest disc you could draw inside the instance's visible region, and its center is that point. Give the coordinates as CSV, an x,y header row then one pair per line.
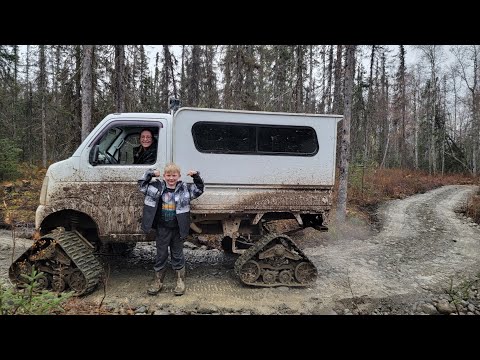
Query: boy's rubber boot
x,y
157,283
180,288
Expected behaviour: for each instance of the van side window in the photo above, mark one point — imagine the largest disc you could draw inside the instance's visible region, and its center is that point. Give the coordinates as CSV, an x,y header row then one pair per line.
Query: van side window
x,y
292,140
224,138
119,144
250,139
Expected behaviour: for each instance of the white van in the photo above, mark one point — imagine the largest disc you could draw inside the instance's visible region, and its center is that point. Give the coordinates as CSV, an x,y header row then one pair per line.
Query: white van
x,y
258,167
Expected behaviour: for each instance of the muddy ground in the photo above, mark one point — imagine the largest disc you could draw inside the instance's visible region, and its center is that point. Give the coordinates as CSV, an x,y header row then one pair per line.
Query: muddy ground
x,y
420,248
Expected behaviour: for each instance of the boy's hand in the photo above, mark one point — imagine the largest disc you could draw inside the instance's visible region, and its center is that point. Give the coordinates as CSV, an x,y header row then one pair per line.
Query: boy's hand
x,y
156,173
192,172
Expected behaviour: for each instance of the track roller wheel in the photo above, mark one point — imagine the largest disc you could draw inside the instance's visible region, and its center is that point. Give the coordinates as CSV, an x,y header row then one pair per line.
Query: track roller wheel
x,y
250,272
285,276
269,277
58,283
43,281
305,273
76,280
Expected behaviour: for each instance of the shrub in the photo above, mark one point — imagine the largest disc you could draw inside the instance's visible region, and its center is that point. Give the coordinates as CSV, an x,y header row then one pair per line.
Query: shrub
x,y
473,208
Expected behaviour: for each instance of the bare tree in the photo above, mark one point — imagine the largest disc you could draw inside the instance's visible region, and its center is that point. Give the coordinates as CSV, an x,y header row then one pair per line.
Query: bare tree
x,y
328,100
282,88
42,87
119,78
402,105
415,117
29,102
345,139
210,84
300,70
337,87
167,80
309,96
249,65
470,74
78,85
432,54
87,94
227,76
383,112
193,76
182,91
15,87
369,108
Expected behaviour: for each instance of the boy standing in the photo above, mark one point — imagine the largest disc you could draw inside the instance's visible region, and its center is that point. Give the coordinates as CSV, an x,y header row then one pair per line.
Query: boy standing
x,y
167,208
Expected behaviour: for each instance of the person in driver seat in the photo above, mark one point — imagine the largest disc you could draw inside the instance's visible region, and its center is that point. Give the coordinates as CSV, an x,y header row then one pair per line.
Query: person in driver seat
x,y
146,152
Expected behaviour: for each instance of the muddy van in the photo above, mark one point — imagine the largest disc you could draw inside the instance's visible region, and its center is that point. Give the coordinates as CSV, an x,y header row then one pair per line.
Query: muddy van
x,y
260,169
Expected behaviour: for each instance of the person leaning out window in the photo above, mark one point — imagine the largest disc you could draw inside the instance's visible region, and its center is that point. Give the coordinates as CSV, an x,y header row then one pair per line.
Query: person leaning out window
x,y
146,152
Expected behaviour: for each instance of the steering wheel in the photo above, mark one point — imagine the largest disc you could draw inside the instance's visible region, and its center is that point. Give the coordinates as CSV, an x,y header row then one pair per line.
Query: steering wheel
x,y
110,158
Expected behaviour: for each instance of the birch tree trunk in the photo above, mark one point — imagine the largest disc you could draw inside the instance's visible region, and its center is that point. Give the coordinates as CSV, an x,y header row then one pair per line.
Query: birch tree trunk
x,y
324,76
329,82
403,105
475,119
444,124
433,152
415,122
87,95
299,70
309,98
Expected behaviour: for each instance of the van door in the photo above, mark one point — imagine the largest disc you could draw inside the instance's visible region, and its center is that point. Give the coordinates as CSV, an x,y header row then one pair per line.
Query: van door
x,y
109,174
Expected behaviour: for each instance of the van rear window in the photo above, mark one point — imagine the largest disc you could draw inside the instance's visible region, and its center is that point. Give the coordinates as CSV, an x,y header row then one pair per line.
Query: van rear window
x,y
221,138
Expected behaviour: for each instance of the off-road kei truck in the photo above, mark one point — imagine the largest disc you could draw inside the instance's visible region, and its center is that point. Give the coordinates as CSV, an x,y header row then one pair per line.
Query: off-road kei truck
x,y
258,168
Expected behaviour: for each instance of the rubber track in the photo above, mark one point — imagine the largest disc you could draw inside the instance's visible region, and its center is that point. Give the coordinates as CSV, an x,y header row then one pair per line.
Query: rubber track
x,y
257,247
81,256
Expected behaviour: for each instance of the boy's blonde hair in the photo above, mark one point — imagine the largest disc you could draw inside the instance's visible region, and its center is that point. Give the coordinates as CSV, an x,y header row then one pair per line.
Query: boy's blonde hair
x,y
172,168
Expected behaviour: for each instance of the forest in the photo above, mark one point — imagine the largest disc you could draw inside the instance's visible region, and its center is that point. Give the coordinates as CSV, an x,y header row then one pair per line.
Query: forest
x,y
410,123
423,115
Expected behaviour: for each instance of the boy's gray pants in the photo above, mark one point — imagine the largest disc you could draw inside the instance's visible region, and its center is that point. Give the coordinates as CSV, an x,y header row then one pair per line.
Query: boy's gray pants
x,y
169,237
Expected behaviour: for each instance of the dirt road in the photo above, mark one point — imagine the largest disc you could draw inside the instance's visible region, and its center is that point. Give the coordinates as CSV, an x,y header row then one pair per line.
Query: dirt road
x,y
420,247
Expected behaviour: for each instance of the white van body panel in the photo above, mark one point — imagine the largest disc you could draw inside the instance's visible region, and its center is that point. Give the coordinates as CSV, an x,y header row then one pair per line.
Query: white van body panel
x,y
251,170
240,189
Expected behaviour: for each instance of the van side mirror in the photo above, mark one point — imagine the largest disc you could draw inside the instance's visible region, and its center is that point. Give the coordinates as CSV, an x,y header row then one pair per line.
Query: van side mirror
x,y
173,104
94,155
